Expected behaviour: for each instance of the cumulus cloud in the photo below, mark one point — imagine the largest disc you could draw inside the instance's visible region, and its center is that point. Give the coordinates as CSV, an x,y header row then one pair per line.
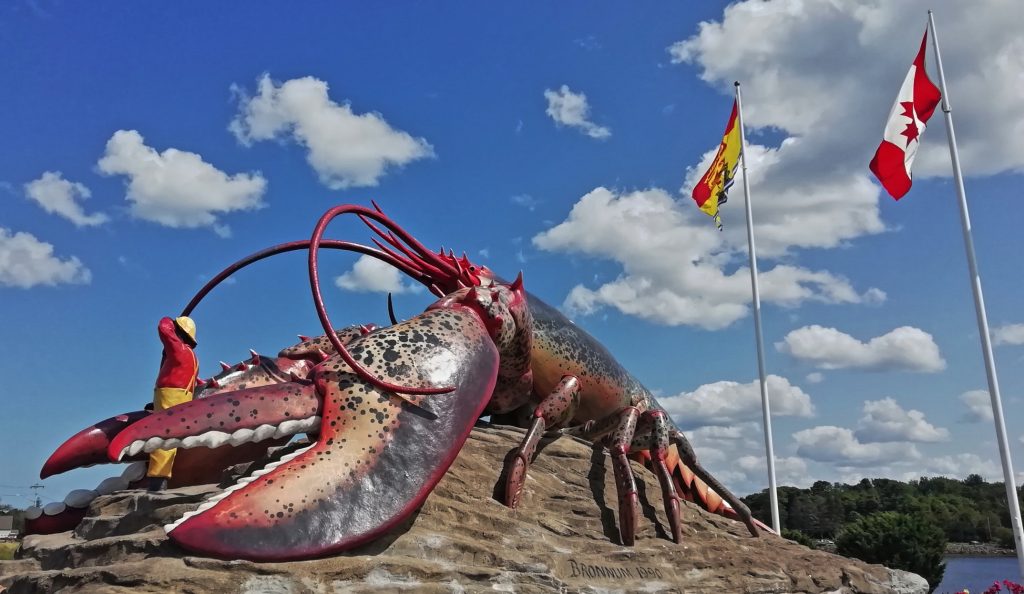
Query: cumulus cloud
x,y
885,420
346,149
725,443
177,188
818,72
26,262
370,275
59,196
675,271
571,109
727,403
815,378
904,349
840,446
821,70
789,470
1011,334
794,209
979,406
959,466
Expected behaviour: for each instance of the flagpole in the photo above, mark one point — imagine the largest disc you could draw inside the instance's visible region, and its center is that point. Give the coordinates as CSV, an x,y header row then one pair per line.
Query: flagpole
x,y
979,308
752,252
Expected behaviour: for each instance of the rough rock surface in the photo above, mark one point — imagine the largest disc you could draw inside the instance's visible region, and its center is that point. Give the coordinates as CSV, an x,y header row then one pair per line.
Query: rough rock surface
x,y
562,539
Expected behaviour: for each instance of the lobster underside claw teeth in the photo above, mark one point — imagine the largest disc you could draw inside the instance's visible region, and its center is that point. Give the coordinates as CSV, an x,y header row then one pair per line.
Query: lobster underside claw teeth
x,y
229,418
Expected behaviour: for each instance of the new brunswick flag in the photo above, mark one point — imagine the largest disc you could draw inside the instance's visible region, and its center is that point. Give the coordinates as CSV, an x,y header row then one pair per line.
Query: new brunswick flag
x,y
712,189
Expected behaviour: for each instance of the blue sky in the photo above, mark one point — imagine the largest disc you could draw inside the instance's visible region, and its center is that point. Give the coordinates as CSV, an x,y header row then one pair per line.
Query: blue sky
x,y
145,150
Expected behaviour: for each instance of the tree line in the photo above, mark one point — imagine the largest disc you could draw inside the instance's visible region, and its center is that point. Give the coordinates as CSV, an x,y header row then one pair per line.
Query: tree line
x,y
965,510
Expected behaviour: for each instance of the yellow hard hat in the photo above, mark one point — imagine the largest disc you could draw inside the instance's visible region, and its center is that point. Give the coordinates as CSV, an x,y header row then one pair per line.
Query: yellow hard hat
x,y
187,326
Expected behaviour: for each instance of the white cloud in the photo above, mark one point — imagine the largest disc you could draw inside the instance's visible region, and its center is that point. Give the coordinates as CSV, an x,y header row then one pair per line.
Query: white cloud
x,y
823,75
177,188
815,378
345,149
1012,334
691,287
26,262
371,275
838,445
790,470
885,420
728,403
718,433
725,443
828,72
905,349
959,466
59,196
571,109
979,405
223,231
526,201
792,207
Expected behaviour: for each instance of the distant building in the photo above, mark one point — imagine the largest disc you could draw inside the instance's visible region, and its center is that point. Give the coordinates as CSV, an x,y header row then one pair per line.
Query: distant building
x,y
7,531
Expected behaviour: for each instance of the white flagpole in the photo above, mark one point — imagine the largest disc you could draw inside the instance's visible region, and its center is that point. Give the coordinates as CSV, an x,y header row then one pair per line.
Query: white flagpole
x,y
979,308
752,252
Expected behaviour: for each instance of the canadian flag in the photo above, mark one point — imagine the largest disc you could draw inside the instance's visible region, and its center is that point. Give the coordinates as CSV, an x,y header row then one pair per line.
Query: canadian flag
x,y
914,106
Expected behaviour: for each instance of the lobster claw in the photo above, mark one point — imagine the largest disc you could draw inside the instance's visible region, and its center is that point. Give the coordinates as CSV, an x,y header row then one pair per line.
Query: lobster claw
x,y
89,446
326,497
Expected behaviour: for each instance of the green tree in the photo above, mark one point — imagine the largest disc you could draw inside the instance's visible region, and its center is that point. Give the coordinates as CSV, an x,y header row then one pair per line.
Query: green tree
x,y
974,480
896,540
800,537
1003,536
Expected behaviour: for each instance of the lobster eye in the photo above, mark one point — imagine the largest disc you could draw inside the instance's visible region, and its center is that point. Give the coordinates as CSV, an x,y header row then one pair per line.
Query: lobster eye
x,y
472,268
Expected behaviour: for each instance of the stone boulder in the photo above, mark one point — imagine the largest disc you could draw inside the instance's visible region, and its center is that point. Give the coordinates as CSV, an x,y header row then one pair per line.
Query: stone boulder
x,y
563,538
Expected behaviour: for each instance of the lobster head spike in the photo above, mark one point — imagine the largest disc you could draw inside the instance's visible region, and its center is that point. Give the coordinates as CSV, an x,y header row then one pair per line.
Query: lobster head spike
x,y
502,308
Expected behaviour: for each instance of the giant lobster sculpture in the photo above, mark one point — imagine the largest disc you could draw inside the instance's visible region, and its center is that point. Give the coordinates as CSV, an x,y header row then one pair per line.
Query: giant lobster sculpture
x,y
388,409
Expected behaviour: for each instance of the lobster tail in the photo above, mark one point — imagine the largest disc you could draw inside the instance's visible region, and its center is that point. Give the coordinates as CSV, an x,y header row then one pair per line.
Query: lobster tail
x,y
691,488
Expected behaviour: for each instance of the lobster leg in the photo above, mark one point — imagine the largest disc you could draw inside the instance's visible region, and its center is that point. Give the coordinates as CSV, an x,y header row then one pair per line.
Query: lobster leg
x,y
687,455
652,434
557,408
629,500
616,432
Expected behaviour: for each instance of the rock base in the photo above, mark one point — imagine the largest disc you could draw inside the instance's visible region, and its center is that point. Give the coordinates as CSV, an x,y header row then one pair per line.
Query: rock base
x,y
563,538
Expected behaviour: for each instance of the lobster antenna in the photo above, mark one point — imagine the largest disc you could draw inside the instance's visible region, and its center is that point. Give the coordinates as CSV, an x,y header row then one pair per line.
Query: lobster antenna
x,y
391,310
292,246
321,311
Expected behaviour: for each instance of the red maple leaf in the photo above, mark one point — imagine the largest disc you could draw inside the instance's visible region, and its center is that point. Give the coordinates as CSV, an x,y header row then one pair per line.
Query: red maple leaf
x,y
911,131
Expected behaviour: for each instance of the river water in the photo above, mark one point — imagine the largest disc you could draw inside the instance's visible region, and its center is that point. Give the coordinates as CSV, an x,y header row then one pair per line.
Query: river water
x,y
977,573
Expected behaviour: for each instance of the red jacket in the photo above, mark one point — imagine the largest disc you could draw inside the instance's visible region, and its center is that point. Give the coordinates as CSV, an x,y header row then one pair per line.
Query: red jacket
x,y
179,366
